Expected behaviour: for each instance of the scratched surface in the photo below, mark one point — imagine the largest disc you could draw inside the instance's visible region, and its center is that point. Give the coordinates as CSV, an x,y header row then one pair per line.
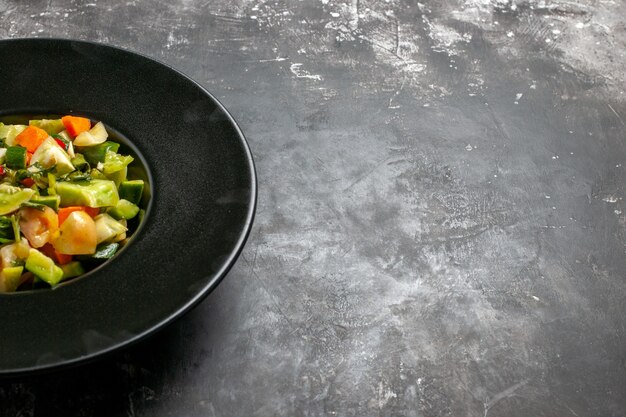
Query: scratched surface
x,y
441,228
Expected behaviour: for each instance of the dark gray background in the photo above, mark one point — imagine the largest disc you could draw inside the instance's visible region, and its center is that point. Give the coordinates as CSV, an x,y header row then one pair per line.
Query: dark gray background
x,y
441,224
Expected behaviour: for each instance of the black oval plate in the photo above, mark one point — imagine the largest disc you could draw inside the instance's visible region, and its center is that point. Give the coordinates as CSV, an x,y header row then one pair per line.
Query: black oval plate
x,y
203,199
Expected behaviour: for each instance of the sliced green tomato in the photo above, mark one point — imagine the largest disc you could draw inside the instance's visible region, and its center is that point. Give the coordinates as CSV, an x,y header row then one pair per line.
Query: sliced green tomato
x,y
12,197
9,132
124,210
43,267
49,154
97,174
97,153
72,269
95,136
107,228
10,278
118,176
114,162
94,193
52,126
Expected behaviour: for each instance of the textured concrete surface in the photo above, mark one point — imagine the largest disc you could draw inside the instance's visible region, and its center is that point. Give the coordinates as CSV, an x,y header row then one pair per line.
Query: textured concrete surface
x,y
441,228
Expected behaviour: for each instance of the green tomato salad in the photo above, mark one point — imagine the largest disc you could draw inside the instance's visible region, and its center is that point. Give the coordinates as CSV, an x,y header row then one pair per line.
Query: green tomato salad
x,y
69,200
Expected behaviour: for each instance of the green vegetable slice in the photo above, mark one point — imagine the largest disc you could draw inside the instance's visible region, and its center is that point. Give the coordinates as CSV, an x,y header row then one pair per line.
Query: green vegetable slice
x,y
80,163
6,230
114,162
72,269
51,126
12,197
9,132
43,267
16,157
131,190
124,210
52,201
94,193
107,228
50,155
10,278
97,153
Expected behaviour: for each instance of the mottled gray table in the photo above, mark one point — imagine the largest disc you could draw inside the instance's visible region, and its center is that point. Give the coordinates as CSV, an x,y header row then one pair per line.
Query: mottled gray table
x,y
441,228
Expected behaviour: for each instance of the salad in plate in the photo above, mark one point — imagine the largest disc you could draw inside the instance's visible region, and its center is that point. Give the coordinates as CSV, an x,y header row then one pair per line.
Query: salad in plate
x,y
67,201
